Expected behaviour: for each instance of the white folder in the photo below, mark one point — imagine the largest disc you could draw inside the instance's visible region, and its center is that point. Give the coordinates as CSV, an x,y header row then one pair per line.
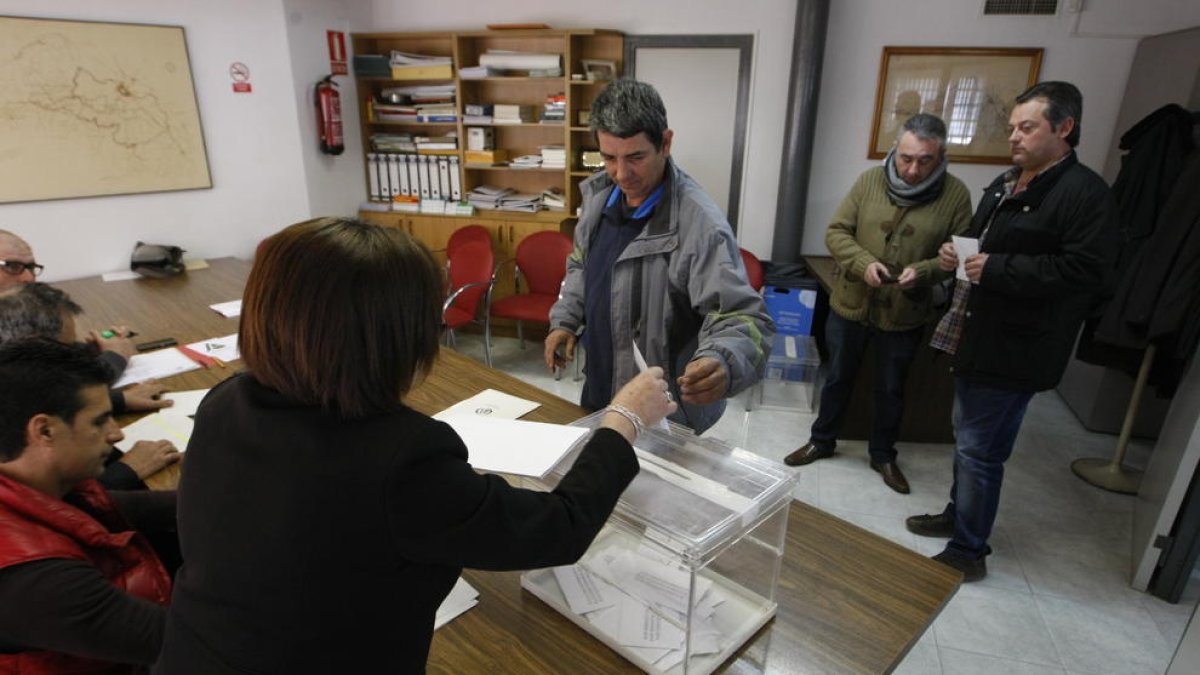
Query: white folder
x,y
405,185
427,179
393,175
455,181
414,175
373,177
443,164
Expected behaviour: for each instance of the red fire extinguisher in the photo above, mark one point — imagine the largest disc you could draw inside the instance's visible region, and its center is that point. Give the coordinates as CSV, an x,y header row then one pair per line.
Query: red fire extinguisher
x,y
329,116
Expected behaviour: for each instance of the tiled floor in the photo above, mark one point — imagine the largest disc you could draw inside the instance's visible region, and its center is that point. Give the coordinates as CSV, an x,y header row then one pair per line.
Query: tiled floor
x,y
1056,599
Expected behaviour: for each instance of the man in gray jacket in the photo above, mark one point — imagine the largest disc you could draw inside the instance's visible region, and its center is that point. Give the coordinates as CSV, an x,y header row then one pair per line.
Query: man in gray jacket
x,y
655,263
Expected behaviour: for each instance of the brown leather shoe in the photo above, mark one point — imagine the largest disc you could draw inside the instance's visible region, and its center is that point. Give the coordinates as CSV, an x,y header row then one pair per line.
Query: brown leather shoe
x,y
807,454
892,477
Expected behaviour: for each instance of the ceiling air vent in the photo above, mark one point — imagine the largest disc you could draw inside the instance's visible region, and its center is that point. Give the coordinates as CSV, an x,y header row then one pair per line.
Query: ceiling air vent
x,y
1020,7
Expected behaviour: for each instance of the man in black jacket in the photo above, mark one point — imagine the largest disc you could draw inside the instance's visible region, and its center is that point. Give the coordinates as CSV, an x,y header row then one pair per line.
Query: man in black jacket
x,y
1047,233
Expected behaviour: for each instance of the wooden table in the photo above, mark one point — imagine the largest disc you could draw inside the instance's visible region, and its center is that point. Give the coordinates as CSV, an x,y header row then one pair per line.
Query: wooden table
x,y
849,601
928,392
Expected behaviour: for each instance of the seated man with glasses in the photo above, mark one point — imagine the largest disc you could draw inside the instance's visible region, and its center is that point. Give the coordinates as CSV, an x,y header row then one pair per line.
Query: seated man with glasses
x,y
16,261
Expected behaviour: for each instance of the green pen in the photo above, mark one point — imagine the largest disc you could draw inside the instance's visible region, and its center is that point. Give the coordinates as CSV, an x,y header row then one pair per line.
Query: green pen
x,y
108,334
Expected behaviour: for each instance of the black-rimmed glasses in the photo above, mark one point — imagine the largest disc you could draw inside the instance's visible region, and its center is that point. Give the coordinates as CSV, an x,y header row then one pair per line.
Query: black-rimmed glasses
x,y
16,267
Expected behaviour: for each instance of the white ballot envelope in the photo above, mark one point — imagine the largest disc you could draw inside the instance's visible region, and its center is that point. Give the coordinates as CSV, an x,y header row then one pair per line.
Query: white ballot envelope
x,y
964,247
641,364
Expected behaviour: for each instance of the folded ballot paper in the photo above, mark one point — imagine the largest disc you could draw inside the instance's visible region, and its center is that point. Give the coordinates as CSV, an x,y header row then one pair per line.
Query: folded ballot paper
x,y
462,597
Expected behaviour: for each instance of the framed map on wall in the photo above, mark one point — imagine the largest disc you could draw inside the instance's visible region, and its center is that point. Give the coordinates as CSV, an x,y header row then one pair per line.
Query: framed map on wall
x,y
90,109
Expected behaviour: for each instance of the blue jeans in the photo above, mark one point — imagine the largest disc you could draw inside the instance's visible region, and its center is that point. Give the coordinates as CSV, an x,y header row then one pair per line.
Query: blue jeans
x,y
986,422
894,351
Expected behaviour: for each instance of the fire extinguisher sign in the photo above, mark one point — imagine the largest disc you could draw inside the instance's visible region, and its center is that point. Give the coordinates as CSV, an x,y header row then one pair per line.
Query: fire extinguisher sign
x,y
336,40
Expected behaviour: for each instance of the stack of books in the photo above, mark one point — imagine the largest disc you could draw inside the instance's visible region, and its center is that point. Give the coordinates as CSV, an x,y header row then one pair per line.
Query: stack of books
x,y
553,199
487,197
372,65
421,103
535,64
521,202
554,111
485,158
391,112
526,162
402,142
407,66
477,113
477,72
437,145
512,114
553,157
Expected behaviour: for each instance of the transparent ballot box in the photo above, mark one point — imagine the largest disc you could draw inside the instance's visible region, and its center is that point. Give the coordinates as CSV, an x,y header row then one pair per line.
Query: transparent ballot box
x,y
790,379
685,570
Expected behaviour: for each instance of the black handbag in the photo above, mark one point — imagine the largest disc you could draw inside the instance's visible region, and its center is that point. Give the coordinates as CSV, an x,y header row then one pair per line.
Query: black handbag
x,y
156,260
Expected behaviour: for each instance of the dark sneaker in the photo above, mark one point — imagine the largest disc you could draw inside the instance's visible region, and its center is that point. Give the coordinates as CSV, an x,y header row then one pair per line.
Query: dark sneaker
x,y
807,454
892,476
972,570
931,525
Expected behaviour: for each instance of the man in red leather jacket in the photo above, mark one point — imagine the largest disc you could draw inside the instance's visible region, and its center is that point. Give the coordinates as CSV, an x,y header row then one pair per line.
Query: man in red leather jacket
x,y
80,591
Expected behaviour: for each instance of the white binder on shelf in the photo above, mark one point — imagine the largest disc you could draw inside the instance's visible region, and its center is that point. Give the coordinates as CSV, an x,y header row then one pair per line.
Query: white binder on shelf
x,y
414,175
373,192
428,179
455,181
405,185
393,175
443,165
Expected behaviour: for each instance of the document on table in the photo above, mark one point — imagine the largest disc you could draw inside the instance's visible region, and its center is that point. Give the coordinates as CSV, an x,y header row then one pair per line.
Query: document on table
x,y
490,403
224,348
462,597
158,427
514,446
151,365
186,402
122,275
228,309
964,247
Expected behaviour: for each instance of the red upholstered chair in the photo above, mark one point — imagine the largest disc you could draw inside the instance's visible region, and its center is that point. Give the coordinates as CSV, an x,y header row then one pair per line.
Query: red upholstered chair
x,y
754,269
468,234
470,291
541,261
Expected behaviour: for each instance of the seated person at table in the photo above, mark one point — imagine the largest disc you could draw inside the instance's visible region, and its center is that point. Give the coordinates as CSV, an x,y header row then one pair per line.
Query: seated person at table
x,y
18,267
322,519
80,591
38,310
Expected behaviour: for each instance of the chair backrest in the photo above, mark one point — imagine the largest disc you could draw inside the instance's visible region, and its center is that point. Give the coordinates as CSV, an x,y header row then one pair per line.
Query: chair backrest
x,y
467,234
542,259
754,269
470,263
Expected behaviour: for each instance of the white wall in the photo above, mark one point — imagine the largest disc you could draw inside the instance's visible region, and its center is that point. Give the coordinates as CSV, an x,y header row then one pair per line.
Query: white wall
x,y
1095,55
252,141
335,182
770,21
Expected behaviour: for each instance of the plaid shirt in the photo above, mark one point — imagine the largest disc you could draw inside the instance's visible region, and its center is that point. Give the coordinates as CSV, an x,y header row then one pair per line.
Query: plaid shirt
x,y
949,329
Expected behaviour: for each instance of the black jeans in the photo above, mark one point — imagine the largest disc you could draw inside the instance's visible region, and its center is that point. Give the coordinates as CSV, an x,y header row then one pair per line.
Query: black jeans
x,y
894,351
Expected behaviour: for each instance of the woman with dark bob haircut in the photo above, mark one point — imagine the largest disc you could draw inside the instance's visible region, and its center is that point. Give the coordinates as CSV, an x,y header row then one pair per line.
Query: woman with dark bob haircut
x,y
322,521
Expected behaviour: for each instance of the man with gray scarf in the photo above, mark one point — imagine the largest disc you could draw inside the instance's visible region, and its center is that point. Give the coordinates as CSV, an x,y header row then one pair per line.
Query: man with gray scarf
x,y
885,237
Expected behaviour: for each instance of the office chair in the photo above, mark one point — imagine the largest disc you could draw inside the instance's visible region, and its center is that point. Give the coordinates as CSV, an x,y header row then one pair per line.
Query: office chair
x,y
541,260
754,269
470,287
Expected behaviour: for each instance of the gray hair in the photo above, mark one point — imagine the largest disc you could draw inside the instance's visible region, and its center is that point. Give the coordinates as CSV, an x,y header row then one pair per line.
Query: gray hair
x,y
626,108
926,127
34,310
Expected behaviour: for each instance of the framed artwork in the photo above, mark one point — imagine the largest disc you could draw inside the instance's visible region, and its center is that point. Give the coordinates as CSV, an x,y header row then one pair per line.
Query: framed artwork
x,y
93,109
970,88
596,69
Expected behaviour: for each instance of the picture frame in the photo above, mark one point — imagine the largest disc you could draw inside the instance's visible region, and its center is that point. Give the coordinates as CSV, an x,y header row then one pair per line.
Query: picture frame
x,y
599,69
97,108
970,88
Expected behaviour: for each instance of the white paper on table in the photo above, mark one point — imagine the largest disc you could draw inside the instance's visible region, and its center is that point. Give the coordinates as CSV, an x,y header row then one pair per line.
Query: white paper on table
x,y
490,403
158,427
151,365
186,402
229,309
641,364
514,446
224,348
584,591
964,247
123,275
461,598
